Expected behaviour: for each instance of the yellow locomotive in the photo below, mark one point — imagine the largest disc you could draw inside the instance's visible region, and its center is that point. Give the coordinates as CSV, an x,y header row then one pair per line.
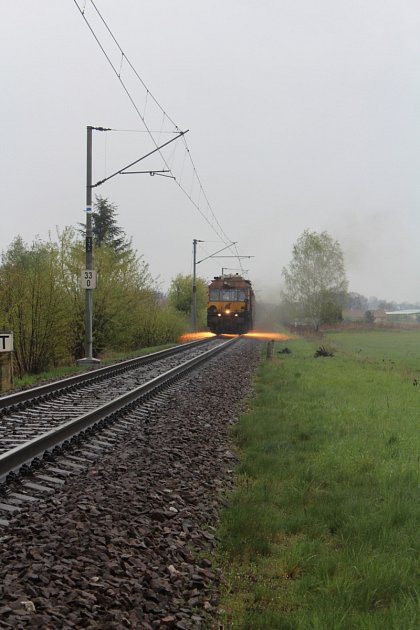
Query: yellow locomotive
x,y
230,308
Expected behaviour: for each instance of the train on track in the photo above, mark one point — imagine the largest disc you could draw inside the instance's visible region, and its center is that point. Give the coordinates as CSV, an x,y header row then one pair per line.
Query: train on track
x,y
231,305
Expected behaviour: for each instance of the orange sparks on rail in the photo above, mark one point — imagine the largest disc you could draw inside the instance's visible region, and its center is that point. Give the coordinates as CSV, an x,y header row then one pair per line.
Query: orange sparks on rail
x,y
267,335
195,336
253,335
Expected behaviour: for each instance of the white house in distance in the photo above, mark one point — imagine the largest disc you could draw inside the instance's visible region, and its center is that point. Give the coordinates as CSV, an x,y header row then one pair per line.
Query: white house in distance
x,y
410,312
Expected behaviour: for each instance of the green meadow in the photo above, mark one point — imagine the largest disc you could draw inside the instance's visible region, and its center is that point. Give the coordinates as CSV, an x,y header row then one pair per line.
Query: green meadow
x,y
322,530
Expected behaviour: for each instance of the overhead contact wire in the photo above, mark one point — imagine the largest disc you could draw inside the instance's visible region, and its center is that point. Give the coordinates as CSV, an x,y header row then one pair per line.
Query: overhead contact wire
x,y
216,228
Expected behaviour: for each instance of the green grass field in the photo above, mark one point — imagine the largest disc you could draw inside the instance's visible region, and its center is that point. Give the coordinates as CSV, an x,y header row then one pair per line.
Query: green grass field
x,y
393,349
322,530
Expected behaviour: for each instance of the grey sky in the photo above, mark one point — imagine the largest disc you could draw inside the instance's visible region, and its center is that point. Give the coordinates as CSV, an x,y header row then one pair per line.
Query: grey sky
x,y
302,114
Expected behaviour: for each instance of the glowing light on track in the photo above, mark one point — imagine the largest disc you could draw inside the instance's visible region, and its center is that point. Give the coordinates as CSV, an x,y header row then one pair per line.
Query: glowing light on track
x,y
268,335
255,334
195,336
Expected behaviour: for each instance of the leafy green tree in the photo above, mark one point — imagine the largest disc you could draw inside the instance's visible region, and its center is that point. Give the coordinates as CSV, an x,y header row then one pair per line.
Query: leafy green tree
x,y
331,308
315,280
128,312
180,296
158,324
33,304
124,287
42,302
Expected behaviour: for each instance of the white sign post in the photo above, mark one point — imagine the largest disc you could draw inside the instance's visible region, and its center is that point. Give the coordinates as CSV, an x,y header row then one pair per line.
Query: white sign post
x,y
6,342
88,280
6,360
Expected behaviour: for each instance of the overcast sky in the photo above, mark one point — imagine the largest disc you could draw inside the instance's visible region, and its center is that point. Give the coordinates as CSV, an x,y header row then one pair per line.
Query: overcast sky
x,y
302,114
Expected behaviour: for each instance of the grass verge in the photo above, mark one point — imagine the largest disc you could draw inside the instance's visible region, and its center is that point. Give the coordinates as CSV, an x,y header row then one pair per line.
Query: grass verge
x,y
321,531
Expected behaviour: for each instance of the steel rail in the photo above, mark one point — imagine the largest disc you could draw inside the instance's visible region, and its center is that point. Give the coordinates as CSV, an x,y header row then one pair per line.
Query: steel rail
x,y
25,453
96,374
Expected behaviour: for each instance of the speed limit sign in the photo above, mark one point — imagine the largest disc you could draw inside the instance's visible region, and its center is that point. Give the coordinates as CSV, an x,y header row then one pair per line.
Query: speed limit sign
x,y
88,279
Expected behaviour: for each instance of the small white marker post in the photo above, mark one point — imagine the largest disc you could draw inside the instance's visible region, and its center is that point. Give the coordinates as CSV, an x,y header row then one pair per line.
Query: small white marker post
x,y
6,360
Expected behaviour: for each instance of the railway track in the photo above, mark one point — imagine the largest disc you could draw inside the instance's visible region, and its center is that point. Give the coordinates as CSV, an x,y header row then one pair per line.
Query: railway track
x,y
11,402
40,424
121,536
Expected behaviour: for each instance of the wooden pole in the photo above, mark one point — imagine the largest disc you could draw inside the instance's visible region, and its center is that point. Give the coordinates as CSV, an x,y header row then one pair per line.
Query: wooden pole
x,y
6,371
270,346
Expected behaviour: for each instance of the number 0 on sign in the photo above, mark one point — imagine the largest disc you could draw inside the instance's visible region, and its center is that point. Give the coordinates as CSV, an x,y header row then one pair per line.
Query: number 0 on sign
x,y
88,279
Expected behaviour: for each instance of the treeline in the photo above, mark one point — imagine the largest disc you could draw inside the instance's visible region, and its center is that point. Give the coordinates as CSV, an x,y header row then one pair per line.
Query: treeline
x,y
43,304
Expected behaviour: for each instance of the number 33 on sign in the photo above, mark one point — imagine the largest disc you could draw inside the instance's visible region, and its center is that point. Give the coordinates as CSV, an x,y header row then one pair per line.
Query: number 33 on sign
x,y
88,279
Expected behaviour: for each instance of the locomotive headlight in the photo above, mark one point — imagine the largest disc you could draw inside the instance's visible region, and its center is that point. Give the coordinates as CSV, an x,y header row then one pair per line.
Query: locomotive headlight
x,y
227,311
236,314
219,314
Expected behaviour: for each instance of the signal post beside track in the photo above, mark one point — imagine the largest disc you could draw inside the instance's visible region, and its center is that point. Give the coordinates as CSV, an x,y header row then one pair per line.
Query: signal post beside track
x,y
6,360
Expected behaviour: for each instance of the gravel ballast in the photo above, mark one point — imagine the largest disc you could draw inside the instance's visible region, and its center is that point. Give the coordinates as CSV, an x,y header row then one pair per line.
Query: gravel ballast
x,y
126,543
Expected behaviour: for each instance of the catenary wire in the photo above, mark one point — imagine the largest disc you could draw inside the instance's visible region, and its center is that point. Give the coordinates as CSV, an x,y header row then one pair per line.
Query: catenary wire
x,y
215,225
